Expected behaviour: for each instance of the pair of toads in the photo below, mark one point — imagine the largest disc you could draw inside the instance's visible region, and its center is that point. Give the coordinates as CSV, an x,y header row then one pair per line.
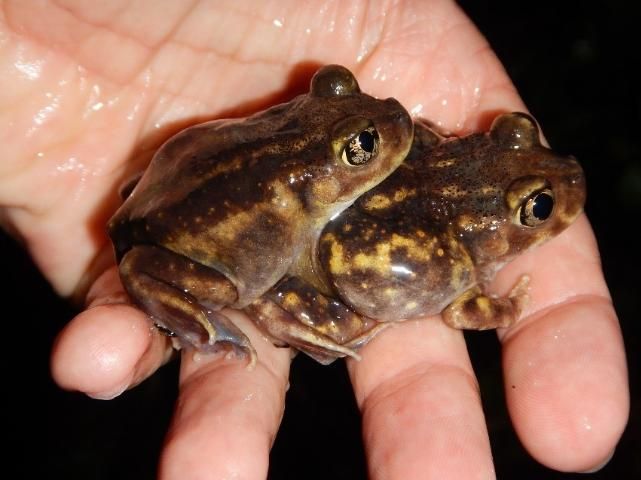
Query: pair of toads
x,y
328,217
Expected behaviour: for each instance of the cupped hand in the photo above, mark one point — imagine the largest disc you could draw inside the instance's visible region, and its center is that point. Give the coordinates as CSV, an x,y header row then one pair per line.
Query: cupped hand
x,y
89,91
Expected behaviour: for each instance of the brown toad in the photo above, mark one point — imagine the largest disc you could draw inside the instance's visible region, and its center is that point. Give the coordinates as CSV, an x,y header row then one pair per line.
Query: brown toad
x,y
429,239
226,207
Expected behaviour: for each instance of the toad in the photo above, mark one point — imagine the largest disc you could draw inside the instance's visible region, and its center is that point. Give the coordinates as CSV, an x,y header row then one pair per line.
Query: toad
x,y
427,240
226,207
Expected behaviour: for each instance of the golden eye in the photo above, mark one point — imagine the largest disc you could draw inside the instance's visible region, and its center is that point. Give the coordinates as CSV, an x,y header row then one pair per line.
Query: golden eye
x,y
536,208
361,148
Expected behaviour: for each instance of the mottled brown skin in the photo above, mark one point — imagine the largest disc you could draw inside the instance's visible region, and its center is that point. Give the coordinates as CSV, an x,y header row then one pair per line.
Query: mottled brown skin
x,y
431,237
226,207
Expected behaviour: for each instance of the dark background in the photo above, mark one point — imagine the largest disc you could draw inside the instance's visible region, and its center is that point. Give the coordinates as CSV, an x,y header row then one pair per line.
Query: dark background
x,y
574,64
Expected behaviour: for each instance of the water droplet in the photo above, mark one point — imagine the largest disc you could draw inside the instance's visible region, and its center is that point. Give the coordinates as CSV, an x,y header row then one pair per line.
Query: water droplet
x,y
416,109
30,70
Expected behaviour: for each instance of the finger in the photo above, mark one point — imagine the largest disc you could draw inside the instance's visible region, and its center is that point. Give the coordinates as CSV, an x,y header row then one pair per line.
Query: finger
x,y
564,363
227,416
422,415
109,347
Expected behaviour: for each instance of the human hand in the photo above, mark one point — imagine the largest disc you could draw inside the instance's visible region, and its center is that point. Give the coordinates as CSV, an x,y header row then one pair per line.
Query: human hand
x,y
87,89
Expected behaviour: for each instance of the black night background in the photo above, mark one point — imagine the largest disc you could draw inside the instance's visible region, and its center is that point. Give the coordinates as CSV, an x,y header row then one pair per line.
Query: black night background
x,y
576,66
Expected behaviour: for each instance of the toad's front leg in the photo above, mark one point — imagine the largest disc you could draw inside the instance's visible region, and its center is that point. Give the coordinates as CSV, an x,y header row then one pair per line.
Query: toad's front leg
x,y
183,297
474,310
296,314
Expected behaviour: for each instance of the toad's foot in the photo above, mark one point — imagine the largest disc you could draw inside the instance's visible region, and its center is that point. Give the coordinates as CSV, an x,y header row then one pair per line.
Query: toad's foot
x,y
323,328
184,298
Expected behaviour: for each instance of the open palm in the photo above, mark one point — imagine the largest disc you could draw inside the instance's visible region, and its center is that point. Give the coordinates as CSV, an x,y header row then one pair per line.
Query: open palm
x,y
88,92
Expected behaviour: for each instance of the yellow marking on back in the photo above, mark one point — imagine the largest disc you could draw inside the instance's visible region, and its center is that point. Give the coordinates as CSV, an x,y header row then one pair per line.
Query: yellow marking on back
x,y
417,251
444,163
381,260
337,264
377,202
401,194
291,300
380,201
216,240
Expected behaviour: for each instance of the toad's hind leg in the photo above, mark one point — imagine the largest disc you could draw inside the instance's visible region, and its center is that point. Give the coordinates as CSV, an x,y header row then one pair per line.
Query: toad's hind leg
x,y
183,297
323,328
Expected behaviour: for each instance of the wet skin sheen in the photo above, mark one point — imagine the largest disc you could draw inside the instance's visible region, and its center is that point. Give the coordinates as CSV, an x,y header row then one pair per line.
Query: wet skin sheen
x,y
428,239
226,208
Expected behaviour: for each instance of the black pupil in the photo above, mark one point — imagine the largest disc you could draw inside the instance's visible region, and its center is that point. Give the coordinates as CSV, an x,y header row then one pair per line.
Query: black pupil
x,y
366,141
542,207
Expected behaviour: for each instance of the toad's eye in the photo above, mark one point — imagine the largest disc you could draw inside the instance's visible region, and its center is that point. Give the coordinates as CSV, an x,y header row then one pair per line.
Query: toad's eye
x,y
361,148
536,208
